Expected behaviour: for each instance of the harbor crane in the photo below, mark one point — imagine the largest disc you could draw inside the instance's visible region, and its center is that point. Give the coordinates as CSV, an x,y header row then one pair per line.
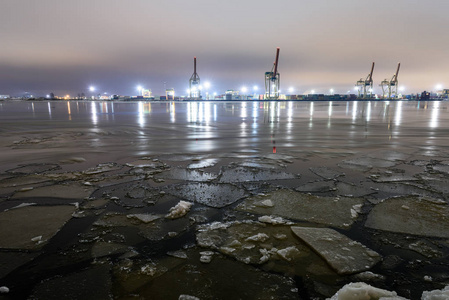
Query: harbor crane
x,y
363,84
390,87
273,80
194,83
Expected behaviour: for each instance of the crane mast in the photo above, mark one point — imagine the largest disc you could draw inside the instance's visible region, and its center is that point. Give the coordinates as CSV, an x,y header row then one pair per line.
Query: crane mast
x,y
272,80
194,83
365,87
390,87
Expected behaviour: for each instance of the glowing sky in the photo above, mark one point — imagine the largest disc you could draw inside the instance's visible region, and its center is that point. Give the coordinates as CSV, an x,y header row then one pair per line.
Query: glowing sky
x,y
64,46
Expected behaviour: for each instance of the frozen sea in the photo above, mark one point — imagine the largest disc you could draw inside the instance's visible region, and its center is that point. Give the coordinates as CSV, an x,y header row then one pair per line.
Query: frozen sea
x,y
223,200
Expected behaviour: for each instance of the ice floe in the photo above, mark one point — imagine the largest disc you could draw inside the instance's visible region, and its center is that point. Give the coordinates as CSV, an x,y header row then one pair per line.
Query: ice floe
x,y
346,256
180,210
28,223
293,205
411,215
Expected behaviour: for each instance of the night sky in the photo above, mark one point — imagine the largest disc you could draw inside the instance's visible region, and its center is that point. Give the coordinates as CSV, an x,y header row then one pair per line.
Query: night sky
x,y
65,46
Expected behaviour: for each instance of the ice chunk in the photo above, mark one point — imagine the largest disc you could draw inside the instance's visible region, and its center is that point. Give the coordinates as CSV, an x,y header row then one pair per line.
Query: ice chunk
x,y
180,210
274,220
4,290
205,163
145,218
360,290
300,206
424,217
260,237
288,253
187,297
34,168
343,254
436,294
30,222
178,254
103,168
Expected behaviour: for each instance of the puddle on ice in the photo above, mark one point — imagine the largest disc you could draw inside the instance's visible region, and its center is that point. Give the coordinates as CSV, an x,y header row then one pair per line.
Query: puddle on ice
x,y
333,211
213,195
33,226
343,254
411,215
242,174
187,175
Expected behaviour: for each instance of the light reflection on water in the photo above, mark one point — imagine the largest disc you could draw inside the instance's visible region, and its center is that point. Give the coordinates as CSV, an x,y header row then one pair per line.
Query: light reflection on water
x,y
211,126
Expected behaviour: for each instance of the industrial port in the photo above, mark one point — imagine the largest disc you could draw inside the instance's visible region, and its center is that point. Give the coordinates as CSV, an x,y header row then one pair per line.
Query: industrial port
x,y
363,90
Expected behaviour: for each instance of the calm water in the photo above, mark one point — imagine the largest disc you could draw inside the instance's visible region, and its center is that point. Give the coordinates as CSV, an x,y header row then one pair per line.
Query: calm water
x,y
145,128
50,156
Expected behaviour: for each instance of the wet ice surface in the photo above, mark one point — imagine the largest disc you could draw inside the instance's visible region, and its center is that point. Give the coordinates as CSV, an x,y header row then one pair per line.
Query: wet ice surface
x,y
288,200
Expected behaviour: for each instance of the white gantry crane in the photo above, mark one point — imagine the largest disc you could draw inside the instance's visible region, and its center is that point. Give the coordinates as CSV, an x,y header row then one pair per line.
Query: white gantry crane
x,y
365,86
273,80
390,87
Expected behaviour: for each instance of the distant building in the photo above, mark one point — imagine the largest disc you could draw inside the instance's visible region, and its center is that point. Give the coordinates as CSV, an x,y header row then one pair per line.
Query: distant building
x,y
170,94
146,93
445,93
5,96
232,95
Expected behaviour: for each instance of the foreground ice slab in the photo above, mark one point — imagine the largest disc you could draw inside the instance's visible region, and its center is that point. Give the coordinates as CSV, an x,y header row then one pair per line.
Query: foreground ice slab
x,y
343,254
411,215
363,291
299,206
32,226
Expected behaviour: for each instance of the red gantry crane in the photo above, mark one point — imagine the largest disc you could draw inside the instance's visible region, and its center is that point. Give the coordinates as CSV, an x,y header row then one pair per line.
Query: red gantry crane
x,y
362,85
391,86
273,80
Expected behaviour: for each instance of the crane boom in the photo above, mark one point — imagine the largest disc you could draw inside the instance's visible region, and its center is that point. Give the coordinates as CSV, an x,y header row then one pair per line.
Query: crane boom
x,y
276,62
194,65
370,76
395,76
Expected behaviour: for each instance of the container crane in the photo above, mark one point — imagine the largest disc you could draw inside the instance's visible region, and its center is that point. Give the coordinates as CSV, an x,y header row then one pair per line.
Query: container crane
x,y
362,85
391,86
273,80
194,83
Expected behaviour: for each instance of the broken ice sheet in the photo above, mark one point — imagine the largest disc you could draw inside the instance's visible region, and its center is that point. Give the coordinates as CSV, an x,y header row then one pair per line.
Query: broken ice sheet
x,y
411,215
367,163
213,195
102,168
242,174
331,211
273,246
317,187
204,281
343,254
20,228
23,180
352,190
92,283
326,173
73,190
33,168
393,178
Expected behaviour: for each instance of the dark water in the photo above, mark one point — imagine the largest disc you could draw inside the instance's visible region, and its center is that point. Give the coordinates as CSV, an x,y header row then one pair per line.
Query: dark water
x,y
117,159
